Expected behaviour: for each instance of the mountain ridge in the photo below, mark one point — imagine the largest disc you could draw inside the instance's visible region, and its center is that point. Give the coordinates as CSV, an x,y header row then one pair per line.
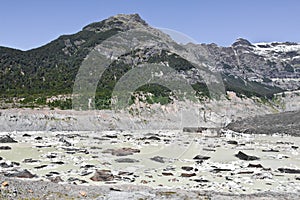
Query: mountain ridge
x,y
261,69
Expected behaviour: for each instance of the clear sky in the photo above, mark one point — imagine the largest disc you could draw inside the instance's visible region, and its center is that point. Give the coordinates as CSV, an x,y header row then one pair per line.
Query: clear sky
x,y
26,24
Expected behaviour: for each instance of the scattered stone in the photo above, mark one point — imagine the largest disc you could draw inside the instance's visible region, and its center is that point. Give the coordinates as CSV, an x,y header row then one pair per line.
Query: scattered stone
x,y
170,168
208,149
40,167
217,170
121,173
111,136
6,165
122,151
30,160
43,146
289,171
58,163
144,181
4,184
270,150
5,148
102,175
186,168
115,189
73,179
126,160
54,173
167,174
199,157
52,155
71,150
158,159
186,175
85,173
244,156
57,179
232,142
201,180
83,194
15,163
280,156
280,142
65,142
173,180
70,136
262,176
194,129
245,172
151,138
7,139
87,166
255,166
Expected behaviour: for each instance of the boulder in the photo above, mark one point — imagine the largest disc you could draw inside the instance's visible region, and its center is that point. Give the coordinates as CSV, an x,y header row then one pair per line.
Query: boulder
x,y
244,156
7,139
126,160
21,174
102,175
158,159
289,171
122,151
199,157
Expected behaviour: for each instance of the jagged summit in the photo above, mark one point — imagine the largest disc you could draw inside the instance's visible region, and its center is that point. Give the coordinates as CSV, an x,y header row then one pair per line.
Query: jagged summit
x,y
241,42
121,21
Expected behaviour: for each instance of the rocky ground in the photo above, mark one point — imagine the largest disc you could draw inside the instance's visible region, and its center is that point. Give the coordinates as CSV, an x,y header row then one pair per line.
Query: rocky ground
x,y
282,123
153,164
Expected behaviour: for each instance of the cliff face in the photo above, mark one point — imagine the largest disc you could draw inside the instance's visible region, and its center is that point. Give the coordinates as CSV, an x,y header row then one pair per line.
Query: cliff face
x,y
275,63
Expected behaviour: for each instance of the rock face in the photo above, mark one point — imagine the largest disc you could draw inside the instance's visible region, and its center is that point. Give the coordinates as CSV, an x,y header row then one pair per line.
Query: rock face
x,y
266,63
281,123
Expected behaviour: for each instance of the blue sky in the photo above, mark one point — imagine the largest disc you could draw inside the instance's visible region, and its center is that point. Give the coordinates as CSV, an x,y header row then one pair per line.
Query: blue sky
x,y
32,23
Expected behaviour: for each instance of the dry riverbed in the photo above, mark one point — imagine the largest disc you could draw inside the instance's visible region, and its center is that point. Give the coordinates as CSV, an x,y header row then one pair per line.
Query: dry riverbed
x,y
155,164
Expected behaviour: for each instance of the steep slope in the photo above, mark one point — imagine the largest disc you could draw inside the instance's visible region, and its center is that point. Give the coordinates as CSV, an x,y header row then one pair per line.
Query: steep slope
x,y
282,123
271,64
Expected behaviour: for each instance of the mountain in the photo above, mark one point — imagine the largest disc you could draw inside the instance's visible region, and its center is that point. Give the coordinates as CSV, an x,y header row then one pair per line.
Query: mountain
x,y
33,76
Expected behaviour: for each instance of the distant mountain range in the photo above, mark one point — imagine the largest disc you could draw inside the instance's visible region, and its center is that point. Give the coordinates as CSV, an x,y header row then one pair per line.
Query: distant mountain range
x,y
261,69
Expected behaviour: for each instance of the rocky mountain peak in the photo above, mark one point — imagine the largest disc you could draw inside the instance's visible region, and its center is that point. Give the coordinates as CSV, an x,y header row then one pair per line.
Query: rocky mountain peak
x,y
121,21
241,42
